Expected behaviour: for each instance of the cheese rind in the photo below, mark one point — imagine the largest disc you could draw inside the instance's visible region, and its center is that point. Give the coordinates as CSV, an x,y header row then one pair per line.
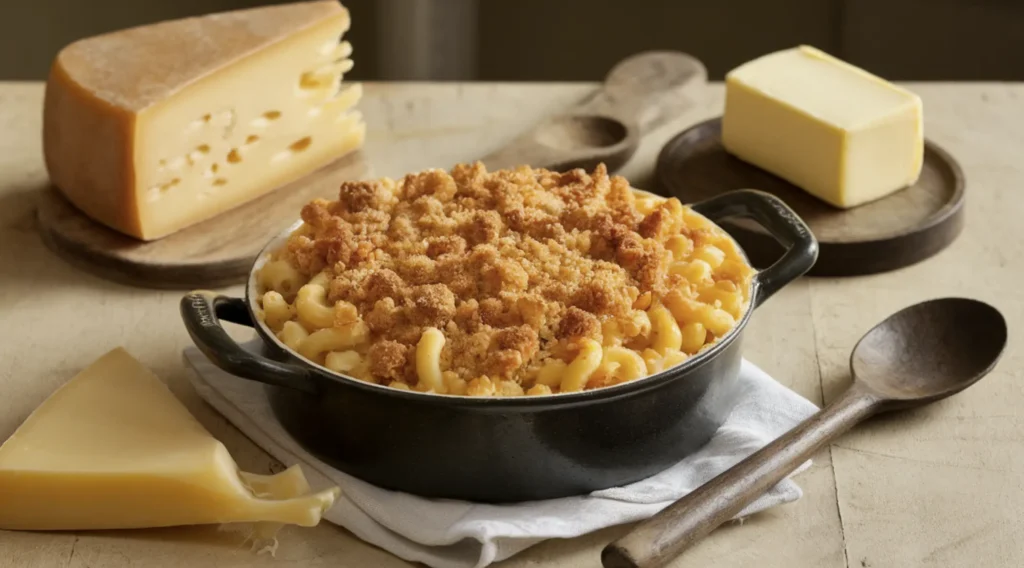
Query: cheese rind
x,y
152,129
840,133
114,449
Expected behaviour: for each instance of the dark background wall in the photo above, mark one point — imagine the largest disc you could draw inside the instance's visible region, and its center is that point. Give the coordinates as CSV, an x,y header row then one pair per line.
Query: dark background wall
x,y
581,39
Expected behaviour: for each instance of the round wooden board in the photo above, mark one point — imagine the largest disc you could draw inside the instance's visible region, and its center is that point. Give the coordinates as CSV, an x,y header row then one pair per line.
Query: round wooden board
x,y
896,231
217,252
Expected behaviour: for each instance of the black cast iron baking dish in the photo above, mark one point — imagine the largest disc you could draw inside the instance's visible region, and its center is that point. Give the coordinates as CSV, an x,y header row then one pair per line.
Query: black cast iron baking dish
x,y
503,449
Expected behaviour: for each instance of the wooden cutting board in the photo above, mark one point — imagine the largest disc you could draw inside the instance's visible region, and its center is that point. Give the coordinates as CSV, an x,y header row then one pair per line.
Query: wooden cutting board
x,y
215,253
898,230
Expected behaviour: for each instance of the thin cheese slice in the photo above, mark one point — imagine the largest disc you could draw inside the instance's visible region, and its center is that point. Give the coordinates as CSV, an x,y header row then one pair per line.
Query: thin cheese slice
x,y
152,129
839,132
114,449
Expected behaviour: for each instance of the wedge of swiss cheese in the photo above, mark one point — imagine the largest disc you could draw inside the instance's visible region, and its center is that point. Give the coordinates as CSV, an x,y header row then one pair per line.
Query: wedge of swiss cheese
x,y
114,449
152,129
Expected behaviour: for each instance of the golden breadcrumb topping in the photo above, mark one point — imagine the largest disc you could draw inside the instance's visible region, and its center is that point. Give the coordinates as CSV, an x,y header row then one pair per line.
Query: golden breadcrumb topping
x,y
514,267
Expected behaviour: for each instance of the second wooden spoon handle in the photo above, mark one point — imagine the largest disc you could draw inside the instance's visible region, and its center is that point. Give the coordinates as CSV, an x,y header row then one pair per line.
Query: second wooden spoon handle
x,y
663,536
648,89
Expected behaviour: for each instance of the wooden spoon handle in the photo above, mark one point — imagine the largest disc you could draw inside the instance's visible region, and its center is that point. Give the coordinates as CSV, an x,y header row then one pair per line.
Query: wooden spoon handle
x,y
648,89
639,94
663,536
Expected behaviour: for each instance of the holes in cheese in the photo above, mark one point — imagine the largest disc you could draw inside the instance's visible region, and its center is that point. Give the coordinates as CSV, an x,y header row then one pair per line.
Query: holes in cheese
x,y
110,138
235,155
265,119
176,163
114,449
343,102
221,119
336,51
312,80
339,105
327,77
224,119
157,191
296,147
300,145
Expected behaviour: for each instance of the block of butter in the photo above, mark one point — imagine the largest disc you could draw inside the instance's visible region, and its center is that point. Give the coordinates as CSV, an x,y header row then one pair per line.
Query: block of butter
x,y
114,449
840,133
152,129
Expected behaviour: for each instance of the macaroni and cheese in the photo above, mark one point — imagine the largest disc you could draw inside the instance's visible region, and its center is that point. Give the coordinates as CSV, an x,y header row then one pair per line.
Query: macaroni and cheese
x,y
514,282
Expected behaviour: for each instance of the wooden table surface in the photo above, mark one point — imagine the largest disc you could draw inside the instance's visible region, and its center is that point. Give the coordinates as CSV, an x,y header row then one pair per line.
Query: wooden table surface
x,y
941,486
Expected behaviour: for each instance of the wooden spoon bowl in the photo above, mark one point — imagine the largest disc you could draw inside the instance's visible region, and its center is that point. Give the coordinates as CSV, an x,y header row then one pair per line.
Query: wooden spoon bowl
x,y
639,94
929,351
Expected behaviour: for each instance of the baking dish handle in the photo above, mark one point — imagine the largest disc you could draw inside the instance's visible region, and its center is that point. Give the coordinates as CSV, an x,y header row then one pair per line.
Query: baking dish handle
x,y
781,222
202,311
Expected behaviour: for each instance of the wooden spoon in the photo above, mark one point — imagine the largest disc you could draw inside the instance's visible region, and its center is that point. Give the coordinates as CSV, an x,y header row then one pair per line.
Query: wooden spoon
x,y
918,355
639,94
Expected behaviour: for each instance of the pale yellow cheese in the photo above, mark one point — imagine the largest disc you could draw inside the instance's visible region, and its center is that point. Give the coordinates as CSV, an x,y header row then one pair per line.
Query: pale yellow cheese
x,y
114,449
839,132
152,129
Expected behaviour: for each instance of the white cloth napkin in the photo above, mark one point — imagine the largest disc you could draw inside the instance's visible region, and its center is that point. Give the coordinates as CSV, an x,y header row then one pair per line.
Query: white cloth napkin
x,y
455,534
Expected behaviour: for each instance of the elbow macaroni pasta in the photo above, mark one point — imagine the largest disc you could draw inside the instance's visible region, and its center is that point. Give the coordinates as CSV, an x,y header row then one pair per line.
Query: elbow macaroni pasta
x,y
428,360
576,374
667,336
280,276
276,311
707,290
320,342
312,309
623,364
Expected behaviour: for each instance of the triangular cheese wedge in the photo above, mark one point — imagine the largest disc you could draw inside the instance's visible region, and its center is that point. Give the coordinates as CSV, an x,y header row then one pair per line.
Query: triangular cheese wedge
x,y
154,128
113,449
